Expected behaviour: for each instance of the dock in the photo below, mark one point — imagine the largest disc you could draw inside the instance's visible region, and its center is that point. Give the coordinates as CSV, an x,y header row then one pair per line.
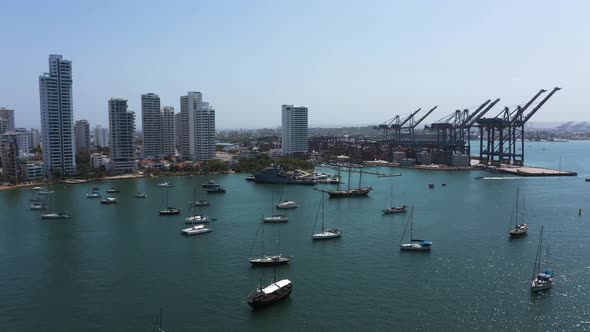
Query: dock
x,y
532,171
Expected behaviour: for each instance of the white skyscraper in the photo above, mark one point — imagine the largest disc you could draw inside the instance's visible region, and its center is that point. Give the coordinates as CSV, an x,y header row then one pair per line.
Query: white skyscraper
x,y
57,117
197,132
122,132
294,121
82,131
167,131
35,137
101,136
151,126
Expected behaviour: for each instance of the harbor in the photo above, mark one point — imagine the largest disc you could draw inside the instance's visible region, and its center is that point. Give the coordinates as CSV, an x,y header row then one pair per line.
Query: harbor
x,y
125,261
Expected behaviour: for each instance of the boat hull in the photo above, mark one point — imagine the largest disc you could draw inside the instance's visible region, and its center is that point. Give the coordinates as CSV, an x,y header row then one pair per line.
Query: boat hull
x,y
169,213
359,192
269,261
264,300
196,232
413,247
394,210
327,235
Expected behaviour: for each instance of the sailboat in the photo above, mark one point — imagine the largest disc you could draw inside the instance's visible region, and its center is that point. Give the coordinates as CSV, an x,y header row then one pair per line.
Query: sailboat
x,y
169,210
158,324
55,215
199,202
276,291
196,218
266,260
519,229
37,203
286,204
395,209
414,244
360,191
325,233
541,280
274,218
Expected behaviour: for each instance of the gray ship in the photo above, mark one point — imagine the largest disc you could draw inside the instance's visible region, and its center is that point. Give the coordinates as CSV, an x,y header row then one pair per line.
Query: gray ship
x,y
275,174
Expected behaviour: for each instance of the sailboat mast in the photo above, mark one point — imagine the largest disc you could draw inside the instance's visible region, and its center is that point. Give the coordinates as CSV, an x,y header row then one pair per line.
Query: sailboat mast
x,y
360,178
516,217
348,184
323,212
262,239
412,226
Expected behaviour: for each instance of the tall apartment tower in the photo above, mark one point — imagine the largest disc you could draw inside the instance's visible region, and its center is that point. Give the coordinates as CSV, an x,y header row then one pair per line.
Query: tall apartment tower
x,y
197,128
205,133
167,131
122,131
82,130
35,137
151,124
294,121
57,117
9,156
101,136
177,129
6,120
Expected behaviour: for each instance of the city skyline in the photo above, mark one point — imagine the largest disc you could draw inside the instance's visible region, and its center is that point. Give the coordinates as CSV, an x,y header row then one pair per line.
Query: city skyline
x,y
363,64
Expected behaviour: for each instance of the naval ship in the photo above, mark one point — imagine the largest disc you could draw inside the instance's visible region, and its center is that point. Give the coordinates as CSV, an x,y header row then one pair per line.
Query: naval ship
x,y
275,174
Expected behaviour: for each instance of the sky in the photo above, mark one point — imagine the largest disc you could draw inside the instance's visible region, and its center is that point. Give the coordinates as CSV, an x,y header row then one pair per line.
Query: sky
x,y
349,62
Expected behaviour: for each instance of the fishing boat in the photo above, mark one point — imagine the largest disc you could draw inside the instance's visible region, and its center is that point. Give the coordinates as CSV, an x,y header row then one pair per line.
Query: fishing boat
x,y
521,229
541,281
197,229
267,260
395,209
275,292
109,200
169,210
414,244
359,191
325,234
55,215
164,184
113,191
141,195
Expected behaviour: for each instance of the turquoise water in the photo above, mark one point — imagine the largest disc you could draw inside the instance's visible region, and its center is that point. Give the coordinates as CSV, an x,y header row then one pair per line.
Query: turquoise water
x,y
113,267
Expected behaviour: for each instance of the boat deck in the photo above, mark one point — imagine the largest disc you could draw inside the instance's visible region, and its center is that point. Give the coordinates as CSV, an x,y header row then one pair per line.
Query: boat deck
x,y
533,171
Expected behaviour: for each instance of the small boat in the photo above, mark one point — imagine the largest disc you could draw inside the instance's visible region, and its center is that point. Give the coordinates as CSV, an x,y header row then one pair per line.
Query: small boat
x,y
414,244
197,229
521,229
541,281
38,206
109,200
395,209
210,185
287,205
251,178
93,195
325,234
217,190
266,260
113,191
270,294
37,188
140,195
196,219
55,215
201,202
165,184
169,210
275,218
46,192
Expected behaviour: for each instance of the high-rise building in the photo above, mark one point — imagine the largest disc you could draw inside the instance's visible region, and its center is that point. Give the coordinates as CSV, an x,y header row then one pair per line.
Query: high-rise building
x,y
122,132
82,130
205,133
57,117
6,120
294,138
177,129
101,136
35,137
151,124
9,156
197,132
167,131
23,140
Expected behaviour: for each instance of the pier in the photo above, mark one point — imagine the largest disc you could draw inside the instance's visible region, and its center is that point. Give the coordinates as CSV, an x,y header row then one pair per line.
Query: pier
x,y
532,171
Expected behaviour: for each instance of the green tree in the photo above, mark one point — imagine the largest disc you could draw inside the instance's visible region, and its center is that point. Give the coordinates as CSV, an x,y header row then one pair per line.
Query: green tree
x,y
216,166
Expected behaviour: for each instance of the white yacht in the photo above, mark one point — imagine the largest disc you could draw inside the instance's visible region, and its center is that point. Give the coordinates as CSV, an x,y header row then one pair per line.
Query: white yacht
x,y
109,200
287,205
196,219
93,195
197,229
276,218
164,184
55,215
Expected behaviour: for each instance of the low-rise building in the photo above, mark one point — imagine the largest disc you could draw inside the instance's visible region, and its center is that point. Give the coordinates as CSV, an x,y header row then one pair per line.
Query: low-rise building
x,y
460,160
398,156
32,171
97,160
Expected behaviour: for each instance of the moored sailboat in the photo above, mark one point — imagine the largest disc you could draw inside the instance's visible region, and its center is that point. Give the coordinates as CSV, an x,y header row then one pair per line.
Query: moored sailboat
x,y
541,281
266,260
360,191
414,244
197,229
395,209
169,210
326,233
522,228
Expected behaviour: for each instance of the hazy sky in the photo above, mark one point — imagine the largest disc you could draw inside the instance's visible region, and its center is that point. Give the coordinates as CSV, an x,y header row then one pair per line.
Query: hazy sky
x,y
357,62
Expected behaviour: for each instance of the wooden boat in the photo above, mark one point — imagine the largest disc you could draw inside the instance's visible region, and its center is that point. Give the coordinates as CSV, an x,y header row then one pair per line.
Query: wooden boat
x,y
360,191
275,292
